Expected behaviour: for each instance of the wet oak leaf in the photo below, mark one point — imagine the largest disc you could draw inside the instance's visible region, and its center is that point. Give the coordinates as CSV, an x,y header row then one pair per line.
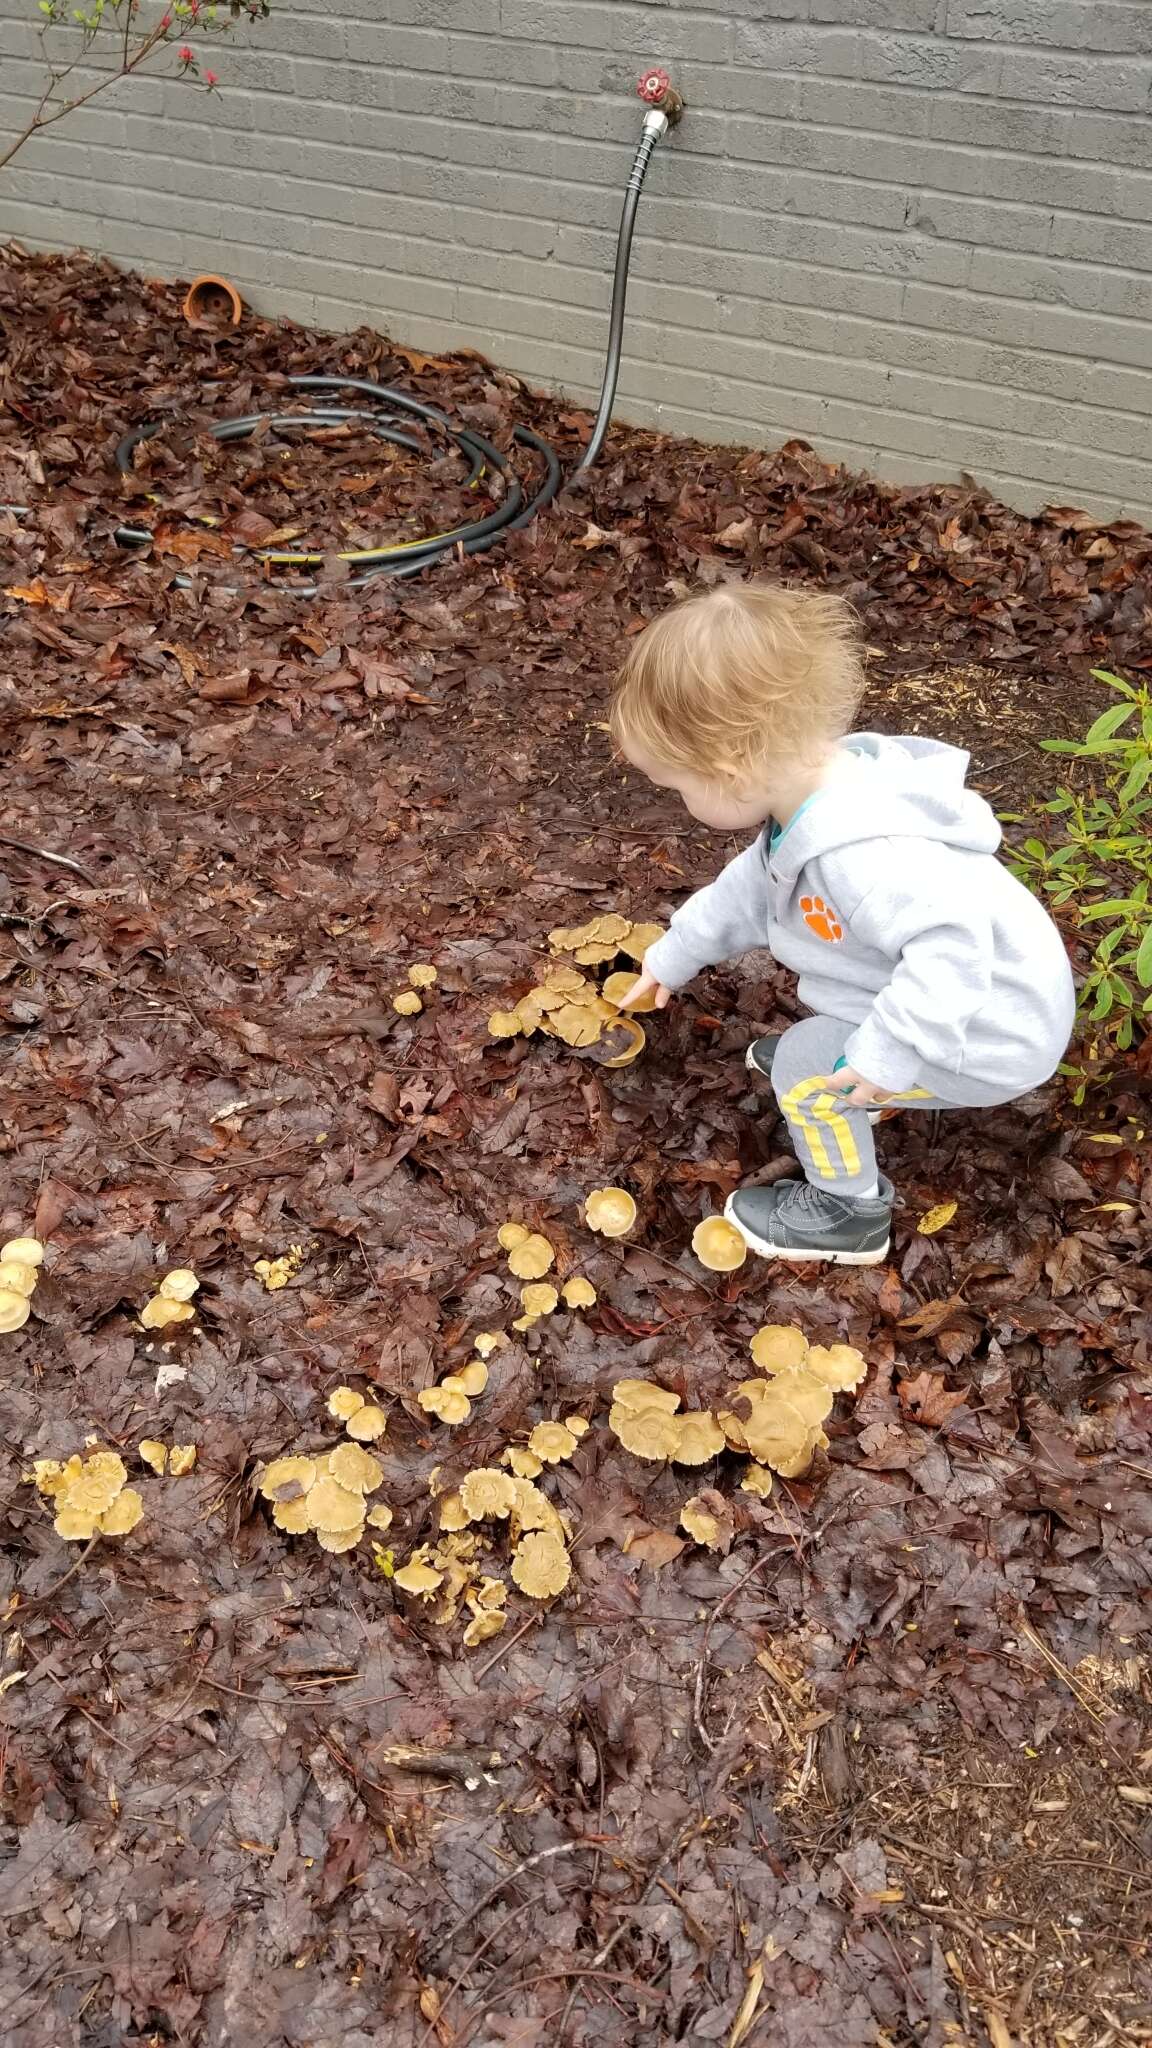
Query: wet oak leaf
x,y
928,1401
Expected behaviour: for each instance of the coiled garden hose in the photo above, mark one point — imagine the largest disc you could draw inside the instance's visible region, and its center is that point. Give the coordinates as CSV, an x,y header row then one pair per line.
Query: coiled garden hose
x,y
394,412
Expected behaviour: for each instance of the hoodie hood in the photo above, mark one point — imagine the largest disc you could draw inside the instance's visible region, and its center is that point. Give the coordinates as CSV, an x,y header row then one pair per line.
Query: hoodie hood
x,y
906,788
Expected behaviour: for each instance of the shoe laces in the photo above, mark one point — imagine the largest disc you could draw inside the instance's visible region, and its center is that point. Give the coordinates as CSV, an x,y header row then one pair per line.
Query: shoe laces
x,y
801,1204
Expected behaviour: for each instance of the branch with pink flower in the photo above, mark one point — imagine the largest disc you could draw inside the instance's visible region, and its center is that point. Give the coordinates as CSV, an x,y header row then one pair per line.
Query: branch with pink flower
x,y
114,39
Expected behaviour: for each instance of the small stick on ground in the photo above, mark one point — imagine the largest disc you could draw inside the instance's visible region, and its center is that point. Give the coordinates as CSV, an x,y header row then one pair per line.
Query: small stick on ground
x,y
55,860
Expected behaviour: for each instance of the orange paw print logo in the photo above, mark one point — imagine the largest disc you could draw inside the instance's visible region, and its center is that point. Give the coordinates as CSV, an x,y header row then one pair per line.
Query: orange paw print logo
x,y
821,919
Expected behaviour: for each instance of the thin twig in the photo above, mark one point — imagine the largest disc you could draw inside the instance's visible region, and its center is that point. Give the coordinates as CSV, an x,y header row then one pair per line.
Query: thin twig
x,y
601,1957
55,860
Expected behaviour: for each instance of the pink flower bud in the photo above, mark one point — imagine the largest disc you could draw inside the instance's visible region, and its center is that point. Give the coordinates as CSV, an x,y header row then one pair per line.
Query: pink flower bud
x,y
186,54
165,23
209,78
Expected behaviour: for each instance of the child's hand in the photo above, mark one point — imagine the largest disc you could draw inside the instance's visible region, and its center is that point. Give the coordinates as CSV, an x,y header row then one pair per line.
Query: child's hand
x,y
646,986
855,1091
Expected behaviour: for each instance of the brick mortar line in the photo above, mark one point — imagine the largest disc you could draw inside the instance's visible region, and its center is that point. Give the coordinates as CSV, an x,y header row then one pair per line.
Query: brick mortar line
x,y
974,149
585,348
752,299
993,299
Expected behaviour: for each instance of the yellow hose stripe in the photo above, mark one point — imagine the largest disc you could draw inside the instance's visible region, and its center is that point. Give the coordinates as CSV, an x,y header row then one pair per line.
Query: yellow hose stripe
x,y
825,1108
790,1103
800,1110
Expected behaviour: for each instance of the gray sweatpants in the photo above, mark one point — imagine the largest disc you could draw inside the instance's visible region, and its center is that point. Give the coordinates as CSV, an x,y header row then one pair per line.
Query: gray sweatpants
x,y
833,1142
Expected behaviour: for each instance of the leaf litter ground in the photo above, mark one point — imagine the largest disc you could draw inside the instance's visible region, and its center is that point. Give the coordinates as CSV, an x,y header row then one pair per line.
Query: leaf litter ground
x,y
880,1774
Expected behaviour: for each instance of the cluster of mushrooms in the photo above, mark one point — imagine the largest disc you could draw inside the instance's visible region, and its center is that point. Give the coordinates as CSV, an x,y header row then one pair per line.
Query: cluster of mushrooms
x,y
567,1004
408,1002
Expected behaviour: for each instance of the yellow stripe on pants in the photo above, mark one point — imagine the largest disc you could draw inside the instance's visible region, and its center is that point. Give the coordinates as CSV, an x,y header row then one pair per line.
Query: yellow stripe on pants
x,y
812,1106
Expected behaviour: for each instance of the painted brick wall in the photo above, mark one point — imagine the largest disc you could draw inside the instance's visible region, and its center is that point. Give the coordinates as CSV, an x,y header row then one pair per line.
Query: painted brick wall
x,y
916,232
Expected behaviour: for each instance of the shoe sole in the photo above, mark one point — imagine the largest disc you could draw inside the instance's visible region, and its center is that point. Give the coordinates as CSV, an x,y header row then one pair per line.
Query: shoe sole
x,y
801,1255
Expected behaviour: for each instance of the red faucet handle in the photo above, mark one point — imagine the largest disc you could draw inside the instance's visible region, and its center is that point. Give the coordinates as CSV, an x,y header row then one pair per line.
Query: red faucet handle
x,y
654,85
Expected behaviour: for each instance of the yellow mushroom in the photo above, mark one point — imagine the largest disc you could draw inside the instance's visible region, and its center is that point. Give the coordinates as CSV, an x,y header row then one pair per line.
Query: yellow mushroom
x,y
578,1424
503,1024
531,1258
639,1394
452,1513
487,1493
482,1627
638,938
552,1442
510,1235
534,1510
538,1299
355,1469
161,1311
647,1433
154,1454
719,1245
473,1377
701,1524
368,1423
23,1251
635,1042
757,1479
344,1403
15,1310
179,1285
331,1506
287,1478
291,1515
701,1438
74,1526
489,1341
340,1539
778,1347
380,1517
420,1579
421,976
840,1366
611,1211
181,1460
16,1278
579,1293
448,1404
523,1463
618,986
541,1566
122,1516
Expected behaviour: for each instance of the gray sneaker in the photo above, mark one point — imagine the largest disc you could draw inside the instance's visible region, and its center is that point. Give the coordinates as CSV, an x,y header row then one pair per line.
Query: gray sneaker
x,y
761,1053
798,1222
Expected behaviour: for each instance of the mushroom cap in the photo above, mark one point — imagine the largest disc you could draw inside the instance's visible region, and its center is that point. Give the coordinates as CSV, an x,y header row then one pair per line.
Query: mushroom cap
x,y
407,1003
534,1510
638,938
553,1442
635,1038
422,976
487,1492
840,1366
640,1394
647,1433
617,986
368,1423
510,1235
701,1438
283,1473
473,1377
482,1627
452,1513
577,1024
578,1424
489,1341
339,1539
179,1285
95,1489
778,1347
719,1245
154,1454
531,1258
181,1460
292,1515
757,1479
538,1298
611,1211
331,1506
14,1311
489,1593
344,1402
355,1469
124,1513
504,1024
525,1464
380,1517
73,1525
700,1523
541,1566
419,1579
162,1310
448,1404
579,1293
777,1435
17,1278
23,1251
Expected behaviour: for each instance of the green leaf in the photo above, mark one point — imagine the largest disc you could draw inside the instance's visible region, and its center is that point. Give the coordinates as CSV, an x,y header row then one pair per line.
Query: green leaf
x,y
1061,746
1105,675
1109,722
1125,1033
1117,906
1036,848
1143,961
1103,1004
1134,781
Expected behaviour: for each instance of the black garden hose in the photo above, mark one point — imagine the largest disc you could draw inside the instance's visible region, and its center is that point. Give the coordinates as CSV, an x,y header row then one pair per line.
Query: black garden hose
x,y
392,415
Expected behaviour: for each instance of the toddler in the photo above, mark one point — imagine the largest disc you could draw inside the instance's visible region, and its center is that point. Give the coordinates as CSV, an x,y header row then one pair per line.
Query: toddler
x,y
935,981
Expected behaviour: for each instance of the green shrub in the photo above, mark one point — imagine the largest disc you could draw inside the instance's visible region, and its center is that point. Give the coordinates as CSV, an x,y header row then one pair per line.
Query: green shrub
x,y
1092,858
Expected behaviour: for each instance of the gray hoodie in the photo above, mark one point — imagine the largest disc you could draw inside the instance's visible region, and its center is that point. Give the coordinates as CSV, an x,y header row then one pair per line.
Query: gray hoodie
x,y
884,896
